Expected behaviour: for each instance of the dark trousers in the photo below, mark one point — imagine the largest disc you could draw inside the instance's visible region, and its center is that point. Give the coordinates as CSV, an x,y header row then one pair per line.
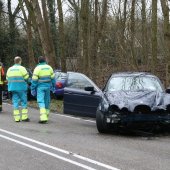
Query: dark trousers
x,y
1,98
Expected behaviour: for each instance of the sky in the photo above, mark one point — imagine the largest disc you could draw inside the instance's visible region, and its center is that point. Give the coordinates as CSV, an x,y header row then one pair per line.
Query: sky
x,y
15,2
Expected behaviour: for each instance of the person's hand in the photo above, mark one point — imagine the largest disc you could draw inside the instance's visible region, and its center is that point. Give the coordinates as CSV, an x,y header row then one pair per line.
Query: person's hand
x,y
33,93
53,90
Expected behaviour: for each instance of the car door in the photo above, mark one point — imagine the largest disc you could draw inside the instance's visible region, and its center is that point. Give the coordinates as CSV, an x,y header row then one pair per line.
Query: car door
x,y
77,100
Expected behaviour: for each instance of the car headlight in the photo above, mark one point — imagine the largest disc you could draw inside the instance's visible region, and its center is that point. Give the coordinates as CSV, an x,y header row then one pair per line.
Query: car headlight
x,y
104,105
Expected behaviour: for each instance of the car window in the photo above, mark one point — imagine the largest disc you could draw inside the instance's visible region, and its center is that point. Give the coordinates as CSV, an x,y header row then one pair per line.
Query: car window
x,y
60,75
78,81
134,83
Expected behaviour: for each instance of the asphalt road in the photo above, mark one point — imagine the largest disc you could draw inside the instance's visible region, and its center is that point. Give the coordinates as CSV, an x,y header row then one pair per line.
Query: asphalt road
x,y
69,143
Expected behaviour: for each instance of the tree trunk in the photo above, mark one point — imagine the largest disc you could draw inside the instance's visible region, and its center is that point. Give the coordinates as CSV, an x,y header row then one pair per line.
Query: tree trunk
x,y
121,48
12,28
144,34
95,40
49,36
34,25
85,35
76,8
32,61
31,58
61,36
132,34
43,34
52,11
99,39
165,11
154,36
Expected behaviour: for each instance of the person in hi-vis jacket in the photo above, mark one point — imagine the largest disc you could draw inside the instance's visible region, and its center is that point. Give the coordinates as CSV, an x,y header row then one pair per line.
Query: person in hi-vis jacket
x,y
2,80
17,77
42,81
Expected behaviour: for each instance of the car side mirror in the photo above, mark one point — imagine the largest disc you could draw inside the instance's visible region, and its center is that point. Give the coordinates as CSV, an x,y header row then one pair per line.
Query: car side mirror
x,y
167,91
90,88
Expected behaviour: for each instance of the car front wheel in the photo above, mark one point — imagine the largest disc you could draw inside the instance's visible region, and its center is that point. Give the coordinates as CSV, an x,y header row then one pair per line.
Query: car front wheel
x,y
101,123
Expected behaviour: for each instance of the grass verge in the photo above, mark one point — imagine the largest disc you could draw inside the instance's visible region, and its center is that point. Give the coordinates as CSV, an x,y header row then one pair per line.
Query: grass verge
x,y
55,106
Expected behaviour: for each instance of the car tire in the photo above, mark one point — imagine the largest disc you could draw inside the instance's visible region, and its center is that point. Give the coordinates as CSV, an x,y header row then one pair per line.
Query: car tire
x,y
101,123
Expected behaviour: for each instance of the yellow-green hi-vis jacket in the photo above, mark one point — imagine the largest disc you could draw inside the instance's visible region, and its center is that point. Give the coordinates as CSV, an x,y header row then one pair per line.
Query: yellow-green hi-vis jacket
x,y
43,76
17,77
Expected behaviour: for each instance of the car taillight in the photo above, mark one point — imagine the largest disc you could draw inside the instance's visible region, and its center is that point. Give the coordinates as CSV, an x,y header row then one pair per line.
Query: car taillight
x,y
59,85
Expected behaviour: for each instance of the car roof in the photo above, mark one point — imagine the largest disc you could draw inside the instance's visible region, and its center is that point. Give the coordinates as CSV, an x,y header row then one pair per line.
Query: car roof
x,y
132,74
74,72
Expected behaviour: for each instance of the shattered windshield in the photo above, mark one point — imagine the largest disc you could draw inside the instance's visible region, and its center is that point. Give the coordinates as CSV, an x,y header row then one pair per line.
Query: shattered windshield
x,y
134,83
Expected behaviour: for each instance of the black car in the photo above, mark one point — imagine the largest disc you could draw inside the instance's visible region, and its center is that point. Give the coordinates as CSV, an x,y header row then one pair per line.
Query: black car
x,y
129,99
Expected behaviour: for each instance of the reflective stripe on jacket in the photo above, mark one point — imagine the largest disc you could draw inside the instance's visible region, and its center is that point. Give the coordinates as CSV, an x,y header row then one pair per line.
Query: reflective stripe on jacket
x,y
17,76
43,76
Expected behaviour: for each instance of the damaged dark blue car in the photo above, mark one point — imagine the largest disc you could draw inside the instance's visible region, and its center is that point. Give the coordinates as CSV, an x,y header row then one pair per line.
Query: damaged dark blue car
x,y
129,99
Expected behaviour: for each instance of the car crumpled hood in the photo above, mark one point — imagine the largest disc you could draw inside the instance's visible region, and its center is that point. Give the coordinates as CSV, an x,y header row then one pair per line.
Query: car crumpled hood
x,y
129,99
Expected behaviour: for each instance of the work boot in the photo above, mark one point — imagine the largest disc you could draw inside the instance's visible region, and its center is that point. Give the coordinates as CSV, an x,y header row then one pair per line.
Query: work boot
x,y
16,115
43,121
43,116
25,115
26,120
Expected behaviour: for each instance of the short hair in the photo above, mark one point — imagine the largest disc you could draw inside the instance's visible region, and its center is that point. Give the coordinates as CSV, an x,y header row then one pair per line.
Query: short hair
x,y
17,60
41,59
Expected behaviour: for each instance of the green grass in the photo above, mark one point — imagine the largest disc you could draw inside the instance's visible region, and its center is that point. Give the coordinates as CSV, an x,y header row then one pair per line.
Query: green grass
x,y
55,106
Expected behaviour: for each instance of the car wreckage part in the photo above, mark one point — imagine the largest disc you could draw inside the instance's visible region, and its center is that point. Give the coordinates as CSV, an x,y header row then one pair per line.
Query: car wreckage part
x,y
142,117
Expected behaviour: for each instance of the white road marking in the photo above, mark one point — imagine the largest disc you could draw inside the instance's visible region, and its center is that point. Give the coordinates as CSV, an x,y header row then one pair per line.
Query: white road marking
x,y
48,153
60,150
75,118
95,162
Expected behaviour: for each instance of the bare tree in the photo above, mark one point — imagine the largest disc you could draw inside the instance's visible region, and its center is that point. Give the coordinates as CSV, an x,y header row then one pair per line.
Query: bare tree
x,y
61,36
44,34
99,27
144,33
48,31
132,34
12,27
165,10
84,29
75,7
95,40
52,19
154,35
31,58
